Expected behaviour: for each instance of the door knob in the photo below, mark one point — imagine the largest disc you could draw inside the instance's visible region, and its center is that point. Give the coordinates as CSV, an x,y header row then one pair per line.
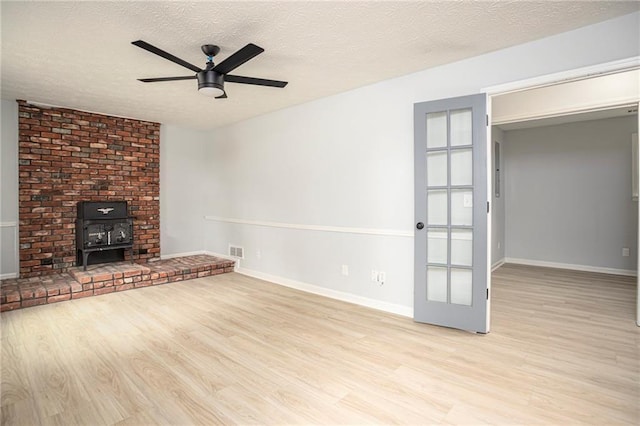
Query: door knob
x,y
420,225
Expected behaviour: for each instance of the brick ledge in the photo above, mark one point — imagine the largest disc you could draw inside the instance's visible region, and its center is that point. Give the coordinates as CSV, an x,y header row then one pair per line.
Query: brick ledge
x,y
100,279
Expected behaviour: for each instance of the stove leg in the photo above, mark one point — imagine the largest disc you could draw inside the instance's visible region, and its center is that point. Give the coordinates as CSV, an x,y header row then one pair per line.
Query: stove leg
x,y
85,258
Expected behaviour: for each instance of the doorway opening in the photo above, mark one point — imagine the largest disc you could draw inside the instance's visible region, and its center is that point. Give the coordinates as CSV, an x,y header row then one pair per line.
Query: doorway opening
x,y
562,178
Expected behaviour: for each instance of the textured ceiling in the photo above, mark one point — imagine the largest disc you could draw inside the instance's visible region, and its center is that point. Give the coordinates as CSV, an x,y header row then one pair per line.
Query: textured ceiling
x,y
79,54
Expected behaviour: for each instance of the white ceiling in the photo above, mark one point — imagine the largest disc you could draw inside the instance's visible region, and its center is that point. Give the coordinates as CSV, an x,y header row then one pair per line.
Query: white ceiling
x,y
79,54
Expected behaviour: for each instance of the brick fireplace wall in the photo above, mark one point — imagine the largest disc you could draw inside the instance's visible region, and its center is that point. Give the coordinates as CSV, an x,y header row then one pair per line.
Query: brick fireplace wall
x,y
66,156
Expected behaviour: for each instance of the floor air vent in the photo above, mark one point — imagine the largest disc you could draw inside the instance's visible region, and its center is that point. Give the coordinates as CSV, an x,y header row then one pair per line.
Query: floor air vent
x,y
236,252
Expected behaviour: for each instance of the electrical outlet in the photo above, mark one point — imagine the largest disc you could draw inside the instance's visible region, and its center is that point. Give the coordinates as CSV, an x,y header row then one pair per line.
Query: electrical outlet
x,y
345,270
382,277
258,254
374,275
625,251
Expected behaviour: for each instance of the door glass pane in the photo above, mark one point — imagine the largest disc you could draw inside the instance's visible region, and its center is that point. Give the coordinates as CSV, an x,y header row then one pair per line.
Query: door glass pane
x,y
436,129
437,168
462,247
437,246
461,286
461,167
462,207
437,284
461,127
437,207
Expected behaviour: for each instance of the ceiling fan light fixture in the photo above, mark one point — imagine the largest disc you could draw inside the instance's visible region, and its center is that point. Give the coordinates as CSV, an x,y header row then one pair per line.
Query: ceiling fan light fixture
x,y
211,92
210,83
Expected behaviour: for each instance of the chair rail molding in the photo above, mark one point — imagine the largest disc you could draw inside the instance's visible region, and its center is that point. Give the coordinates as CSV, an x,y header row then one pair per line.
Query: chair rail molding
x,y
321,228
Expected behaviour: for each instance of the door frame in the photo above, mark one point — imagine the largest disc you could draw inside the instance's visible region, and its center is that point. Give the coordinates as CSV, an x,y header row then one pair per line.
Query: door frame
x,y
582,73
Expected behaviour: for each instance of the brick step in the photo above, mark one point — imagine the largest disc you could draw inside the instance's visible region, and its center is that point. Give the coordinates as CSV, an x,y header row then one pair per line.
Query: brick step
x,y
106,278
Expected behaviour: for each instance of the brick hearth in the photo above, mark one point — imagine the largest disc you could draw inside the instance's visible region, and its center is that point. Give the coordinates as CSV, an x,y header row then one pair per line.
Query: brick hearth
x,y
106,278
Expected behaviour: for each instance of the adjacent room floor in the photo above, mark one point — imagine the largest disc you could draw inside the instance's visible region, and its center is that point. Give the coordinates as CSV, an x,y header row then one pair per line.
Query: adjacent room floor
x,y
229,349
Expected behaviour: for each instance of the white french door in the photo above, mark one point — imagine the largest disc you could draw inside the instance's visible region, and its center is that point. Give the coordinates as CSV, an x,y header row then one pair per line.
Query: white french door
x,y
451,212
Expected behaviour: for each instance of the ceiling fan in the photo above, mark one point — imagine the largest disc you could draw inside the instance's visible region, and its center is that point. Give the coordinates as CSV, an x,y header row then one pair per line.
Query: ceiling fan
x,y
211,79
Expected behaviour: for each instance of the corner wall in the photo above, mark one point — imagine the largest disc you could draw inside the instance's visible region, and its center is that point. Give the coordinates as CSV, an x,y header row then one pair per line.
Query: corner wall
x,y
182,166
9,190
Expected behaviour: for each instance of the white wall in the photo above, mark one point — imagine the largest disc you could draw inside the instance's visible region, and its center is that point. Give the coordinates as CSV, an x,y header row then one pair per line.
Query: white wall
x,y
498,203
9,189
181,190
295,169
346,162
568,194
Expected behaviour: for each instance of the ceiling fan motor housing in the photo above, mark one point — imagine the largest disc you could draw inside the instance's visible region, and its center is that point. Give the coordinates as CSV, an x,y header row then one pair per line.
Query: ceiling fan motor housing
x,y
210,49
210,79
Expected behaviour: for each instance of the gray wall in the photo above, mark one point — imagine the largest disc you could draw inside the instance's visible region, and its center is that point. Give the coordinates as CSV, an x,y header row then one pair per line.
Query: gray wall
x,y
181,168
568,194
498,203
8,189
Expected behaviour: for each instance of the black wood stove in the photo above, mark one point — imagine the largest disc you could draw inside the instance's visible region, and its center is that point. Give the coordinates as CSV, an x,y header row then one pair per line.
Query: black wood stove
x,y
104,228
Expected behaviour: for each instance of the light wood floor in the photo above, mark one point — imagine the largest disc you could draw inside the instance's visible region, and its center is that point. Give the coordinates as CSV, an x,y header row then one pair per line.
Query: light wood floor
x,y
564,349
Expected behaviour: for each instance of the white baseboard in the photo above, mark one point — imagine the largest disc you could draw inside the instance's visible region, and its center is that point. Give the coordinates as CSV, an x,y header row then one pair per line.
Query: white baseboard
x,y
585,268
498,264
195,253
224,256
188,253
332,294
8,276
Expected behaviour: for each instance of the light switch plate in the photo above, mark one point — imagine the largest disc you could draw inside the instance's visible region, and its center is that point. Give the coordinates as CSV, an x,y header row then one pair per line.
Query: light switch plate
x,y
467,200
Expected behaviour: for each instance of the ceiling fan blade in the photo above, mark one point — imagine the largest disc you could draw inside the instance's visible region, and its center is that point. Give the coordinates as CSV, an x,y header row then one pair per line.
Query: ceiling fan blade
x,y
146,46
153,80
252,80
238,58
223,96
